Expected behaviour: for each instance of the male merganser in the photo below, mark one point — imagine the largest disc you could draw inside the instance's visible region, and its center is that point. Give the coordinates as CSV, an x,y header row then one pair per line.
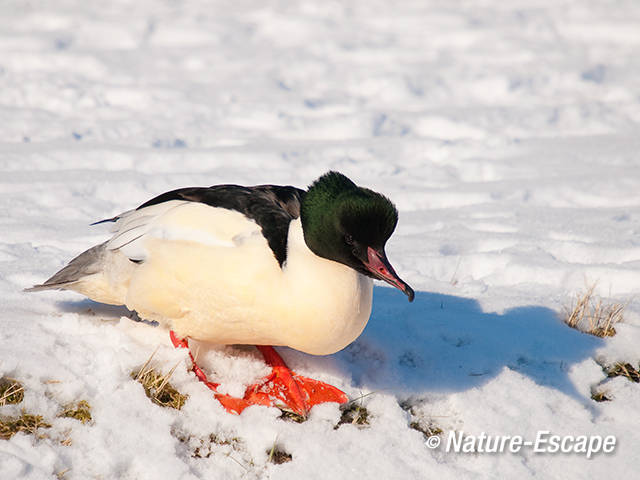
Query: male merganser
x,y
264,265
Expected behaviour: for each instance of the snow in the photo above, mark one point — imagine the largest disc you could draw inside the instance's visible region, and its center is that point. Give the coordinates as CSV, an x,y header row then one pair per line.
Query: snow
x,y
505,132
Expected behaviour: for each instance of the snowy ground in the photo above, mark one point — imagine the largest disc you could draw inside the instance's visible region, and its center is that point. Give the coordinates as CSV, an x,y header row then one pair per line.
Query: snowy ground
x,y
507,133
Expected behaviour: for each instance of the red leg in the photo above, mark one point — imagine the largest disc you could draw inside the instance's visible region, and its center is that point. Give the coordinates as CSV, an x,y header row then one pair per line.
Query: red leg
x,y
184,343
280,388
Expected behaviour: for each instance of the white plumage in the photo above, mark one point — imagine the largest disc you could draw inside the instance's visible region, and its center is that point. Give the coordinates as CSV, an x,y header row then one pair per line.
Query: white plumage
x,y
209,274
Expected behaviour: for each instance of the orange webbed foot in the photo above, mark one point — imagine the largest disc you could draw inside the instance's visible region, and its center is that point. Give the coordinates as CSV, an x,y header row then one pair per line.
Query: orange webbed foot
x,y
282,388
288,390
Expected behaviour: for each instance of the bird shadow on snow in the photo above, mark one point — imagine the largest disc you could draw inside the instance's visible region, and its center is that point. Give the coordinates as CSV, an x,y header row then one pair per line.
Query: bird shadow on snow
x,y
438,343
102,310
443,343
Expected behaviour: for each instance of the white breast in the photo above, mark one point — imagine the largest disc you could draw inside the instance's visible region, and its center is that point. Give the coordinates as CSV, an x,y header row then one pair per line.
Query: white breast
x,y
330,303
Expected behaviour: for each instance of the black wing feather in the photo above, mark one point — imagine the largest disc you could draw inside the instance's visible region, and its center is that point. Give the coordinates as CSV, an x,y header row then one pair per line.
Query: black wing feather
x,y
270,206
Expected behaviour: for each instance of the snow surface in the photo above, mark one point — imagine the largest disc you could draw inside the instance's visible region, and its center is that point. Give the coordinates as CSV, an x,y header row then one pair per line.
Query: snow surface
x,y
507,133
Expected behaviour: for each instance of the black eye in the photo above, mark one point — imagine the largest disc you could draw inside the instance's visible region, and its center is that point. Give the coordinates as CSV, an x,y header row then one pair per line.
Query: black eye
x,y
349,239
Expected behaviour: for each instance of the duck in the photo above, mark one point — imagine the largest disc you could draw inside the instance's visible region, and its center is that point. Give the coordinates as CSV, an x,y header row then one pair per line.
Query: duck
x,y
264,265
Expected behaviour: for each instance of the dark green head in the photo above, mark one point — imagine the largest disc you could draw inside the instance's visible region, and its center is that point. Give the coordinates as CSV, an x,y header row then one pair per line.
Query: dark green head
x,y
351,225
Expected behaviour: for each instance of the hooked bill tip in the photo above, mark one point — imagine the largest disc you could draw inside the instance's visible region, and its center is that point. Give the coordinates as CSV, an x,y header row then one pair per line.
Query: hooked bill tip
x,y
410,293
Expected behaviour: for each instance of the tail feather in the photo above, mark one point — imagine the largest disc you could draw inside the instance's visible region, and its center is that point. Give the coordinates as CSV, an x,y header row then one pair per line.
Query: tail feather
x,y
85,264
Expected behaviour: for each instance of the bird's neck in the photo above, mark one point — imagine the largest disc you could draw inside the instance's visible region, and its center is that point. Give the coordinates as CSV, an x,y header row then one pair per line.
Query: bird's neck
x,y
302,262
327,302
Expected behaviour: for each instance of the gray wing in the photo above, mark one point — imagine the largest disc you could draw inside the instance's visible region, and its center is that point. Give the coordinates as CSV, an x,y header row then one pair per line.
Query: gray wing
x,y
87,263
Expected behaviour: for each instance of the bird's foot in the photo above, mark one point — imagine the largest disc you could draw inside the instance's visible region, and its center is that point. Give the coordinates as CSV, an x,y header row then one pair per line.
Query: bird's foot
x,y
282,388
231,404
287,390
184,343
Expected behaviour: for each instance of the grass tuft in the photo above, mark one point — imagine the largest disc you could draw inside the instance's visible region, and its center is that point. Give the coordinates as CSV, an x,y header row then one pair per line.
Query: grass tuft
x,y
278,456
624,370
355,414
601,396
157,386
428,431
589,313
292,416
11,391
418,422
81,411
26,422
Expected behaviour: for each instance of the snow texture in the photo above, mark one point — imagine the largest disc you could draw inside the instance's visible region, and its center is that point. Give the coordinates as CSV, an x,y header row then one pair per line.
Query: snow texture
x,y
507,133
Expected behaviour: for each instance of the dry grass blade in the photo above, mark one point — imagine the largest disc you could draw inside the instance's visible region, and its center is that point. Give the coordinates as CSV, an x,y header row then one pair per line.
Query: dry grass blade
x,y
145,368
166,378
624,370
576,314
419,422
428,431
26,422
590,314
601,396
292,416
61,474
355,414
278,456
11,391
157,386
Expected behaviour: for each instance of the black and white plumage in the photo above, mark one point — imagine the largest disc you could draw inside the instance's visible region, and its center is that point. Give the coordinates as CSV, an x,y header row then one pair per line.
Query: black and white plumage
x,y
272,207
264,265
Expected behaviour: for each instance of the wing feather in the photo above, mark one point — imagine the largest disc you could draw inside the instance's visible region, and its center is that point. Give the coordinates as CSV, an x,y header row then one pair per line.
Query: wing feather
x,y
180,221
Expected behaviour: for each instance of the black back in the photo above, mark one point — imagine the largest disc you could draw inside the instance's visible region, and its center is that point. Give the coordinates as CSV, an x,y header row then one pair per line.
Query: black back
x,y
272,207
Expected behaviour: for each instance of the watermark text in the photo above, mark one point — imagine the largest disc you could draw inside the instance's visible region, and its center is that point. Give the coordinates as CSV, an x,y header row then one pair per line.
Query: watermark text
x,y
544,442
